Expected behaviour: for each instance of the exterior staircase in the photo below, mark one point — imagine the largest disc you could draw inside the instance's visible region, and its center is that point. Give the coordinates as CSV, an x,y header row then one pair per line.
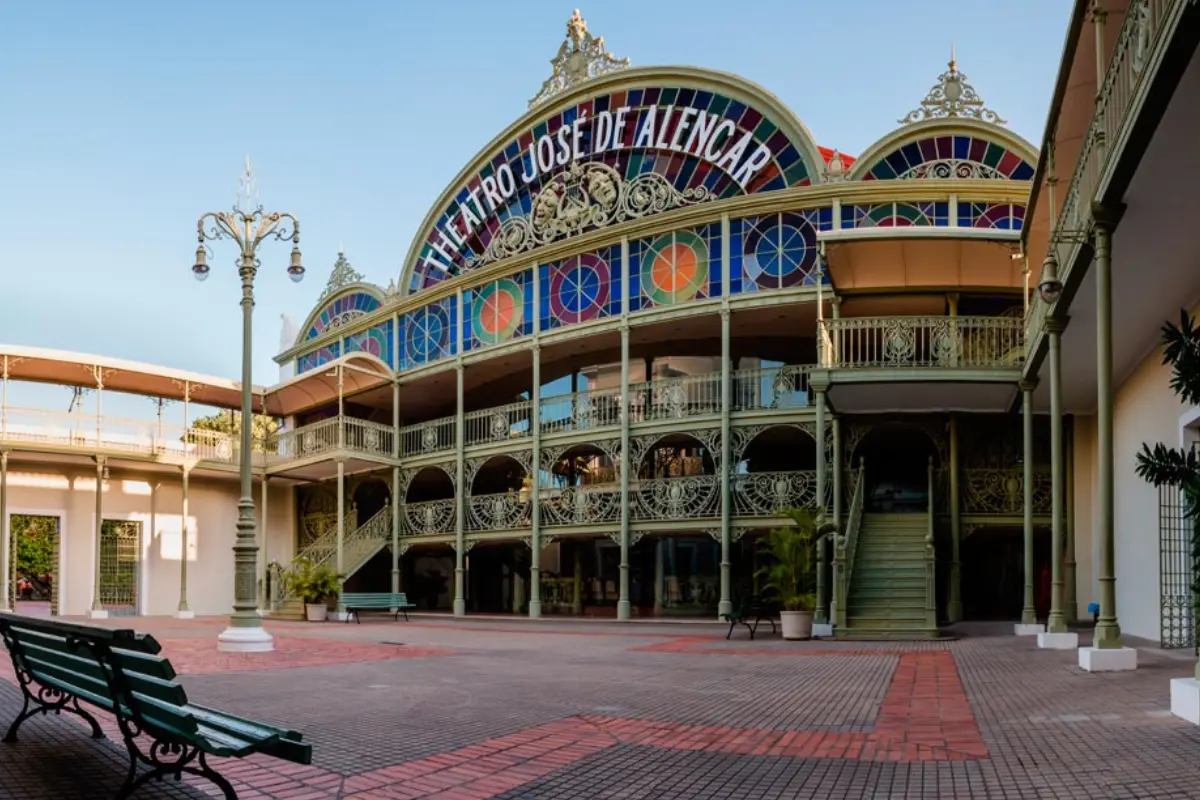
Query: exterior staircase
x,y
358,547
888,589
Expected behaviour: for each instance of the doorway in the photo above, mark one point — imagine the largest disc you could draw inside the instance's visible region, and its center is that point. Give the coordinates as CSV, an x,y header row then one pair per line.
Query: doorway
x,y
120,560
896,456
33,584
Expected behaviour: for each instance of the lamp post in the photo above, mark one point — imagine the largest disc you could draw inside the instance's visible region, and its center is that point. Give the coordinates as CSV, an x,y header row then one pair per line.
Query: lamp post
x,y
248,226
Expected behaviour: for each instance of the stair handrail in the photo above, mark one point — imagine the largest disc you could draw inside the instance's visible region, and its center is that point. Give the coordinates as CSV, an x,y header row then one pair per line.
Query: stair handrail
x,y
930,563
375,530
322,548
849,542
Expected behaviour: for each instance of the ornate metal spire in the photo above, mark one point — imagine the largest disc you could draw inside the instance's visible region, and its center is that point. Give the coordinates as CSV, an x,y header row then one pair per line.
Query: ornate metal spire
x,y
343,275
580,57
952,96
247,194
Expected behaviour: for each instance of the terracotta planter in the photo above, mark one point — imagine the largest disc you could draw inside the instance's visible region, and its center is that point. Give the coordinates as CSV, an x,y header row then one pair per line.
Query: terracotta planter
x,y
315,612
796,624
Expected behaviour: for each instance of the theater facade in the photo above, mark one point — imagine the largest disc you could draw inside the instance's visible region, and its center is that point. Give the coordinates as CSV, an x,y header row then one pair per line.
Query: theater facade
x,y
653,314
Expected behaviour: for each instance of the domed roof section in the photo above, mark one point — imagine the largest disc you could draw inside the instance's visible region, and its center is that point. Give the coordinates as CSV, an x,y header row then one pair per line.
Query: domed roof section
x,y
951,134
603,144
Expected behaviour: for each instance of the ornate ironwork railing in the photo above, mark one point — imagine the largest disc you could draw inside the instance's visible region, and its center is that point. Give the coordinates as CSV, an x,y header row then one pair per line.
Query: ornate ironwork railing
x,y
847,546
768,494
924,342
675,398
770,388
331,435
930,560
324,548
581,411
499,512
691,497
1002,491
498,424
588,504
434,436
1145,22
432,516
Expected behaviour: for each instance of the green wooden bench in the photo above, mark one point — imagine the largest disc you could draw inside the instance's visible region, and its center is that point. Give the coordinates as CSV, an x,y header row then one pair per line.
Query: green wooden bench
x,y
748,609
394,602
61,665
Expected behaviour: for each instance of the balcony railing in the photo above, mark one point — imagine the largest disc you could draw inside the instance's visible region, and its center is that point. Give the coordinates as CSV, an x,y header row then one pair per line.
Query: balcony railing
x,y
432,516
1145,22
581,505
923,342
675,398
770,388
498,424
499,512
427,437
1002,491
336,434
581,411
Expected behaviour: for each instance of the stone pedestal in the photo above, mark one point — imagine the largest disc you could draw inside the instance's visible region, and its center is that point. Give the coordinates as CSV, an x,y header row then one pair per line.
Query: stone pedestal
x,y
1108,659
185,615
1028,629
1058,641
94,614
1185,699
245,640
822,630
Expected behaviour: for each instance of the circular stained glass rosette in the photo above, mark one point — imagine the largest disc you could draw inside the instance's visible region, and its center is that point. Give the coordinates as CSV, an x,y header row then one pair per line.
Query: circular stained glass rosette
x,y
579,288
498,311
781,253
675,268
427,334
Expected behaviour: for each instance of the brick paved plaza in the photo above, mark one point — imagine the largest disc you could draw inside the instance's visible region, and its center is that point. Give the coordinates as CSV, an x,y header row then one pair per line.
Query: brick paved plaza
x,y
438,708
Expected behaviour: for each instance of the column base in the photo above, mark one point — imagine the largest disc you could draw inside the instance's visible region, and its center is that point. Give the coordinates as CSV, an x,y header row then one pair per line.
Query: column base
x,y
1028,628
185,615
245,640
1108,659
1185,699
460,608
535,609
954,612
822,630
624,610
94,613
724,607
1058,641
337,616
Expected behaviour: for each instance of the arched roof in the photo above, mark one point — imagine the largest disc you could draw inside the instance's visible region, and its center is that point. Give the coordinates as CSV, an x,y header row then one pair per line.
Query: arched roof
x,y
685,134
347,303
959,147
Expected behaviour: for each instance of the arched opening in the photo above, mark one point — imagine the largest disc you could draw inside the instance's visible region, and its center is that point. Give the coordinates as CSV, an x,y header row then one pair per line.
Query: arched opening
x,y
428,577
676,455
897,455
370,496
498,475
780,448
430,483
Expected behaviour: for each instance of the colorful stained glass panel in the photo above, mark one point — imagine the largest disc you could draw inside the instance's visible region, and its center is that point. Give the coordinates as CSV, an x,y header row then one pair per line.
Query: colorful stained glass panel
x,y
376,340
341,311
580,288
429,333
499,311
951,157
315,358
775,251
675,268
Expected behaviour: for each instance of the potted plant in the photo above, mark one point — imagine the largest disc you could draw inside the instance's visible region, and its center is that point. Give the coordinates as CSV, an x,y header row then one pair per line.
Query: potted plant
x,y
314,584
790,576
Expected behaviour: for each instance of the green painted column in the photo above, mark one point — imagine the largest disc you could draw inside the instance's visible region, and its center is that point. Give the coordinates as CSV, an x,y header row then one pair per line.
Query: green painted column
x,y
819,388
659,543
460,512
1057,622
839,470
6,548
341,530
624,609
725,605
1071,603
1108,631
97,611
821,613
397,502
1028,609
183,612
954,604
535,487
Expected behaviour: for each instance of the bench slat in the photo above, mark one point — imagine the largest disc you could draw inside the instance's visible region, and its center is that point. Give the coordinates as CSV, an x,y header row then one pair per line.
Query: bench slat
x,y
117,637
146,684
146,664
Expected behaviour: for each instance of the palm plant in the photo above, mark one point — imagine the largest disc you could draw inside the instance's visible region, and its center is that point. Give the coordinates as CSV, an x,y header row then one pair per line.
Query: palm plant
x,y
312,583
791,574
1179,467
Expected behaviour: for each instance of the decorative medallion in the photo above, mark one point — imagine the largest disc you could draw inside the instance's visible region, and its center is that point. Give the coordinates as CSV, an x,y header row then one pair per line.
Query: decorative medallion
x,y
952,96
497,311
579,288
674,268
779,251
580,57
585,196
427,334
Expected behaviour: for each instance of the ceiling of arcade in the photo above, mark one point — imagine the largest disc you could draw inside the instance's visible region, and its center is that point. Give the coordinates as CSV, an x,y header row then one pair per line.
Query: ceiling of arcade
x,y
626,190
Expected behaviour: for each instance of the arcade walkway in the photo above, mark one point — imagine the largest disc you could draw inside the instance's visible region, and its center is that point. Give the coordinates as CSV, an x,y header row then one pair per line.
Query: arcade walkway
x,y
489,709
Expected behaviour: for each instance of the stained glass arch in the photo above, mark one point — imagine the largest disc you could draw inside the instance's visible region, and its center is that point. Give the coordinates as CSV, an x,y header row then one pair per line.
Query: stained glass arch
x,y
685,134
343,308
940,148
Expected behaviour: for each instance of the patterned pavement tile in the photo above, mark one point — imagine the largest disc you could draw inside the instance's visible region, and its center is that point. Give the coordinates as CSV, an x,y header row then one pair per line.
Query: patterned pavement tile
x,y
440,708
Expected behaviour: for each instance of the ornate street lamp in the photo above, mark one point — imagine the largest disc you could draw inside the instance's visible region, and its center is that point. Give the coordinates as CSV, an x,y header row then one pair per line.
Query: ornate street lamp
x,y
1049,286
249,226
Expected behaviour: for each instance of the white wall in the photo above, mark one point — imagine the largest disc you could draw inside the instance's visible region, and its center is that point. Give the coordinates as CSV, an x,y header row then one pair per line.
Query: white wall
x,y
155,500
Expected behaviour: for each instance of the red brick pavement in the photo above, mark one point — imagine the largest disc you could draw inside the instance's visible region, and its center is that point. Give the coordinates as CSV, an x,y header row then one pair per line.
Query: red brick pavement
x,y
201,657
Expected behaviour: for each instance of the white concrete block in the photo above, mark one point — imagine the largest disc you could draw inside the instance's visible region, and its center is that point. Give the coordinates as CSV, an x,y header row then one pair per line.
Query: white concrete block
x,y
245,640
185,615
1058,641
94,614
1108,659
1030,629
1185,699
822,630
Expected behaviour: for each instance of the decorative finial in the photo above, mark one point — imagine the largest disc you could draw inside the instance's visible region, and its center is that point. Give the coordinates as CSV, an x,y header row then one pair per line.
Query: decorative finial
x,y
580,57
836,169
343,275
247,194
952,96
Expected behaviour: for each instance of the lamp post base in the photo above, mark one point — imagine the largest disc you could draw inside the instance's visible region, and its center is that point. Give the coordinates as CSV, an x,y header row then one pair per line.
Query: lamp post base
x,y
185,614
245,640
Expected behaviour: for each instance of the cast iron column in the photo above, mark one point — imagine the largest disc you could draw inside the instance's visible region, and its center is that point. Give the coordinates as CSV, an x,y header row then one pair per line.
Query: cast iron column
x,y
460,512
725,605
624,610
954,606
1056,623
535,487
183,612
6,548
1108,631
1028,611
97,611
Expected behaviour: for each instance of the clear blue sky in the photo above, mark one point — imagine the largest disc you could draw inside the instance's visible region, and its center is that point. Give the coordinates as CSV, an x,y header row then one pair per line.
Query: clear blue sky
x,y
124,121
